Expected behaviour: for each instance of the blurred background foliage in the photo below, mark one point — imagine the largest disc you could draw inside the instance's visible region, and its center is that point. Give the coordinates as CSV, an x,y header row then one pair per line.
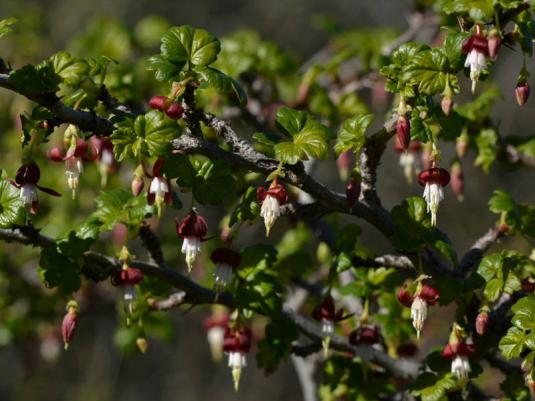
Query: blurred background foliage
x,y
279,36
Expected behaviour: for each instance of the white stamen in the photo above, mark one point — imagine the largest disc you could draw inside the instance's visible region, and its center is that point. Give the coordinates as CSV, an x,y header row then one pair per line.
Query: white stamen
x,y
223,274
433,195
476,60
73,168
418,314
216,338
191,247
270,211
327,327
28,193
237,360
129,296
158,187
460,368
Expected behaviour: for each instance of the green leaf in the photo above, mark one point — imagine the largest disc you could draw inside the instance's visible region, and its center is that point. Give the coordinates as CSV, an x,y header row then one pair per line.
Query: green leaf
x,y
176,166
12,211
493,289
512,344
74,245
452,49
309,136
149,135
223,83
38,79
486,143
276,345
524,310
352,134
501,202
430,389
490,266
71,69
429,70
248,209
6,26
57,270
477,10
212,183
164,69
411,224
120,206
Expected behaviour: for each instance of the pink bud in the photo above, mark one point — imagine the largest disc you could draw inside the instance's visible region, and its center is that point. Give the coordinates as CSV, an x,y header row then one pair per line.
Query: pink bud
x,y
158,102
482,322
137,185
69,324
403,132
446,104
457,180
461,145
174,110
55,154
494,44
522,93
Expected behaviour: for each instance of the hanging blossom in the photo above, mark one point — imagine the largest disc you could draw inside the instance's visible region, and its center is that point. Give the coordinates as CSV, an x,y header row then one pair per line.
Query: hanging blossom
x,y
476,48
458,351
225,260
216,325
327,314
434,180
26,180
271,199
423,296
409,158
364,335
192,230
127,278
70,321
237,343
159,192
74,158
102,149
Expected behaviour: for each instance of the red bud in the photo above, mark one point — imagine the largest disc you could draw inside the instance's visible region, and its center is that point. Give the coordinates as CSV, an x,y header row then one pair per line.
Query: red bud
x,y
494,44
69,323
522,93
158,102
403,132
174,110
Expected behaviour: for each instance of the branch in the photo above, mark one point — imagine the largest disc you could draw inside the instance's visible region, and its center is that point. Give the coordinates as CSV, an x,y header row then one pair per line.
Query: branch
x,y
174,300
85,120
152,243
478,249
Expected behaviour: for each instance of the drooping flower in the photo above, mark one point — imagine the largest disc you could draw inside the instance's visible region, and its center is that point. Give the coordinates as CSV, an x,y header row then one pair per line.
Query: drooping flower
x,y
26,180
225,260
424,295
327,314
127,278
271,199
434,180
159,192
408,158
70,322
102,149
192,230
237,343
216,326
367,335
458,350
476,49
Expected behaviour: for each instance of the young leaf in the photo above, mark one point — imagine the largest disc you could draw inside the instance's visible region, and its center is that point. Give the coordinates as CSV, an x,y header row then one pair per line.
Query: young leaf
x,y
353,134
71,69
223,83
512,344
12,210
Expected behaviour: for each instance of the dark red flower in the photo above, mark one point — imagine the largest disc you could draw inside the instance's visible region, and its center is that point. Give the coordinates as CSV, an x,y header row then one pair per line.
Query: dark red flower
x,y
238,340
368,335
476,42
193,225
275,190
226,256
404,297
434,175
160,187
26,180
216,320
429,294
327,311
128,276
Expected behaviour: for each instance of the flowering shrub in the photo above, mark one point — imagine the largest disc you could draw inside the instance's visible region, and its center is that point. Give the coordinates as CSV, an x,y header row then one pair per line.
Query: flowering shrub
x,y
223,136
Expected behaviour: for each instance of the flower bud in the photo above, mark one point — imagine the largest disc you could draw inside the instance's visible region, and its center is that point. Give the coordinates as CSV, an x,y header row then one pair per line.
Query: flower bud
x,y
457,180
70,320
446,104
461,145
494,43
158,102
137,185
403,132
174,110
522,93
482,322
142,344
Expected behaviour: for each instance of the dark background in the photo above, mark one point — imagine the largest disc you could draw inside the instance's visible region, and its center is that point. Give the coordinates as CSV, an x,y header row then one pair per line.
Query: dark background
x,y
94,369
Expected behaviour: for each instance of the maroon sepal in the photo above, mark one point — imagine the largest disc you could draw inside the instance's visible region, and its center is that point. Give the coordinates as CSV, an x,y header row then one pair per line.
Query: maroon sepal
x,y
28,174
429,294
327,311
237,340
434,175
226,256
404,297
368,335
216,320
79,150
193,225
128,276
275,190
